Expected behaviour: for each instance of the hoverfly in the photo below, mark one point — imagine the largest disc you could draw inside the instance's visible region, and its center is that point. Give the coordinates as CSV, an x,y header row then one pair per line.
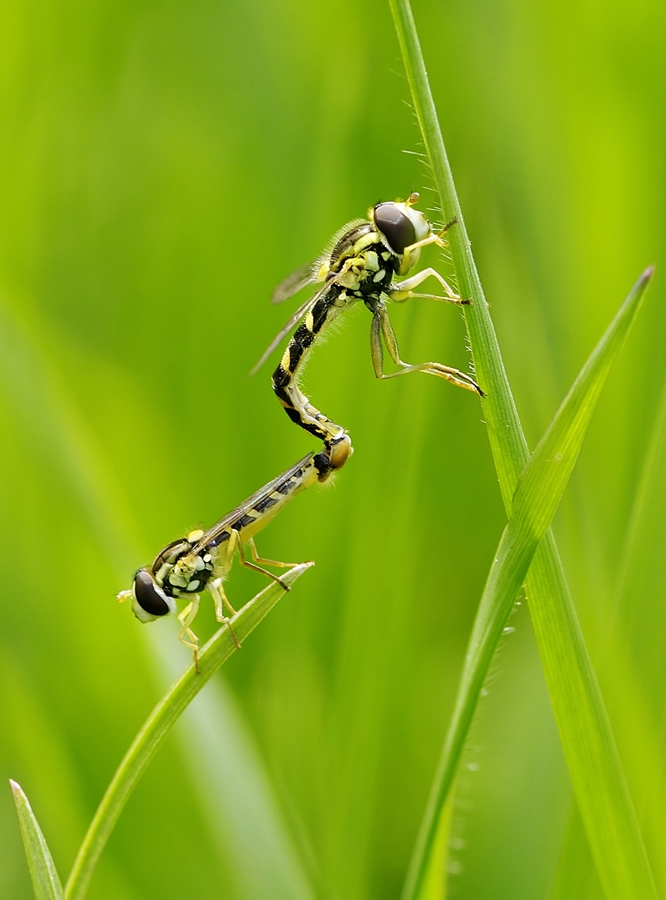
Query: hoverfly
x,y
202,560
362,263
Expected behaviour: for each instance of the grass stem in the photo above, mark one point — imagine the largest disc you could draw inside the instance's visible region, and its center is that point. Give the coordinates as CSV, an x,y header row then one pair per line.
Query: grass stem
x,y
159,723
589,746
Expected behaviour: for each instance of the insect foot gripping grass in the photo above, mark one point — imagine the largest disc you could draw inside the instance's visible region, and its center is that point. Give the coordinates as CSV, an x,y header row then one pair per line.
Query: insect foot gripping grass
x,y
202,560
363,261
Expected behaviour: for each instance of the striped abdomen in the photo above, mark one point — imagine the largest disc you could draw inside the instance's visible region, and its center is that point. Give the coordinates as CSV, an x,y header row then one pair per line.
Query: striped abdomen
x,y
285,380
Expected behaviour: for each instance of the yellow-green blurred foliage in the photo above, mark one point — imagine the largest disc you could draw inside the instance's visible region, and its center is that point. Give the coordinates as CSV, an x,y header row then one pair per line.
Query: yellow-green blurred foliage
x,y
163,164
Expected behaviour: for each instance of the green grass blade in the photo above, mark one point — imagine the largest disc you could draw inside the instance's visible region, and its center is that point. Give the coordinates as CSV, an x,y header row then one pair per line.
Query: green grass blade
x,y
43,403
541,486
158,725
509,447
576,874
630,660
537,498
585,732
43,872
238,798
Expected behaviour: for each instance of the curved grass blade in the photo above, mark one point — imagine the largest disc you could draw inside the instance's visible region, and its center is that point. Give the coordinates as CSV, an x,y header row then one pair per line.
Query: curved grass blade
x,y
586,736
537,498
246,820
159,723
45,880
41,400
634,632
576,874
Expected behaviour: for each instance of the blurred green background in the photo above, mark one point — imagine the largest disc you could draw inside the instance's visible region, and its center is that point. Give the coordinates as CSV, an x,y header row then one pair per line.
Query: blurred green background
x,y
163,165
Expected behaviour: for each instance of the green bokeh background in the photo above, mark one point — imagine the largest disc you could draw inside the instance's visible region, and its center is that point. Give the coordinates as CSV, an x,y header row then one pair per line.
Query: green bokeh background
x,y
163,165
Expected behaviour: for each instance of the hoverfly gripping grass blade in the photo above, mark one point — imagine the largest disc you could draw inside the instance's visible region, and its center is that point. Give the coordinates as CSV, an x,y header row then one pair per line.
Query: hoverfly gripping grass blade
x,y
605,804
365,264
201,561
159,724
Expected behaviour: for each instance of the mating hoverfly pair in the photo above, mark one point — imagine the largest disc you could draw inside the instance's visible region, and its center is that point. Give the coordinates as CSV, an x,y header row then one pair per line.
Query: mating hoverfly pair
x,y
363,263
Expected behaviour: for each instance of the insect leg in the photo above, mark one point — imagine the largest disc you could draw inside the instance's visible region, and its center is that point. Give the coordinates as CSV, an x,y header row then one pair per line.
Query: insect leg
x,y
411,253
454,376
404,290
221,600
381,322
249,565
186,635
376,348
435,237
432,238
268,562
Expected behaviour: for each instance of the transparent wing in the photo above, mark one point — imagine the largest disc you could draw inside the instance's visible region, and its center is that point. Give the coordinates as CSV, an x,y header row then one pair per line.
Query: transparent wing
x,y
293,283
247,505
300,312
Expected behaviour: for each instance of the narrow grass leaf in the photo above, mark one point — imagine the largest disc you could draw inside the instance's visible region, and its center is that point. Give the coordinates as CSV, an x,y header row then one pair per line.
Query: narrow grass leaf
x,y
630,660
435,881
537,498
43,872
540,487
576,875
588,743
43,404
158,725
238,799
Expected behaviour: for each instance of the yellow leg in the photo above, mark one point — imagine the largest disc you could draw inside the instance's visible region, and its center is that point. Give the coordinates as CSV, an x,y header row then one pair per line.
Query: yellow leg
x,y
249,565
453,376
404,290
414,249
381,327
268,562
221,600
433,238
186,635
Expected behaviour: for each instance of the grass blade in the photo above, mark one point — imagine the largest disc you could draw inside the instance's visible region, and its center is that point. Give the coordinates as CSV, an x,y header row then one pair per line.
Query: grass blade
x,y
43,403
537,497
159,723
238,798
541,485
43,872
630,659
576,874
587,739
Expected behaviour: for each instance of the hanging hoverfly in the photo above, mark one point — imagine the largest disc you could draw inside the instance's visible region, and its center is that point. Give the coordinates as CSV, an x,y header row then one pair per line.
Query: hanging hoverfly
x,y
202,560
366,257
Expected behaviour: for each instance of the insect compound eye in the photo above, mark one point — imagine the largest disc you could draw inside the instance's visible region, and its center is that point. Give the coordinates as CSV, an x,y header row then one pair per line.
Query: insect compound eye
x,y
395,225
148,596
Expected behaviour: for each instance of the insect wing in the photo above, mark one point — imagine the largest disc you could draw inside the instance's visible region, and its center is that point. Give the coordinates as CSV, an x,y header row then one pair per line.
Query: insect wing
x,y
293,283
235,514
300,312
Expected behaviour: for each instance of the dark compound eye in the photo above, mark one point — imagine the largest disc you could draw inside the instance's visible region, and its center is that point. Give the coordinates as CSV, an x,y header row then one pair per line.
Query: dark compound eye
x,y
395,225
147,595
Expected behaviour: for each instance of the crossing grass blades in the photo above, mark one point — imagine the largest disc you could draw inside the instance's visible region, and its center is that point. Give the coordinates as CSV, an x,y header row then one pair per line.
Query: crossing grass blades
x,y
363,262
202,560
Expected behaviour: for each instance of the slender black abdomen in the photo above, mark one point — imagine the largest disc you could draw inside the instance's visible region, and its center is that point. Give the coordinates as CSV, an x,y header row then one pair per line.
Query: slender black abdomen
x,y
285,383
